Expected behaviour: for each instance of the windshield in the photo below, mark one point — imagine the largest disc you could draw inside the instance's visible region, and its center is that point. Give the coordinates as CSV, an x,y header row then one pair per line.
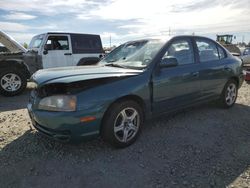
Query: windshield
x,y
136,54
36,41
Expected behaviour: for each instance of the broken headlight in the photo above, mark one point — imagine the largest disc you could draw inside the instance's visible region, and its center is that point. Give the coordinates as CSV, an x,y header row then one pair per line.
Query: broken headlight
x,y
58,103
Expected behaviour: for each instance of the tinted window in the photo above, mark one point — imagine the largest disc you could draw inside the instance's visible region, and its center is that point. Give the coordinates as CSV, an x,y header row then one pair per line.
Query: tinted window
x,y
181,50
86,43
207,50
57,43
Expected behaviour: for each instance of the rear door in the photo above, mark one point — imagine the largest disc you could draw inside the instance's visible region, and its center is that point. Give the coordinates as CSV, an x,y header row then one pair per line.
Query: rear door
x,y
213,67
178,86
57,51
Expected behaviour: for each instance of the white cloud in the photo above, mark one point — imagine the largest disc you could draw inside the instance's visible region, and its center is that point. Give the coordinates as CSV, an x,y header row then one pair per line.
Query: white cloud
x,y
19,16
21,28
156,17
107,35
135,18
45,7
83,17
17,27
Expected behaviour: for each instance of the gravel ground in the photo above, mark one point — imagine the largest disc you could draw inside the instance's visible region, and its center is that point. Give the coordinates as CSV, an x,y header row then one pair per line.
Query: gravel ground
x,y
205,146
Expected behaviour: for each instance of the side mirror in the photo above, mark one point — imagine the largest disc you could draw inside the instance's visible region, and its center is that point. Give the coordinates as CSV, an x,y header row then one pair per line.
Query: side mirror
x,y
46,48
169,62
45,52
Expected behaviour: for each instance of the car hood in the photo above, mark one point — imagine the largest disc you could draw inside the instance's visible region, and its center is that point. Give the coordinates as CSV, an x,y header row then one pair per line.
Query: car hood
x,y
11,44
79,73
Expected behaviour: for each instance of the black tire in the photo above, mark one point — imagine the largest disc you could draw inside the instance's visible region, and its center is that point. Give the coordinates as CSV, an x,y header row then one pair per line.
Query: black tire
x,y
224,100
19,76
112,118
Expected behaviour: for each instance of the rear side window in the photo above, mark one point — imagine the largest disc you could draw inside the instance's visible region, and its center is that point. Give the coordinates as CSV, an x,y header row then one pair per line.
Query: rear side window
x,y
86,44
207,50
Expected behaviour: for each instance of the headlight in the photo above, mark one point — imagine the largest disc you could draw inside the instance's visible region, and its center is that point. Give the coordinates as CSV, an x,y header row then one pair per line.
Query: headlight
x,y
58,103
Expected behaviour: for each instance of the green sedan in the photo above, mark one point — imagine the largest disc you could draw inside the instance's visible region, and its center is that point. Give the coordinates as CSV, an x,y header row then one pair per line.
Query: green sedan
x,y
138,80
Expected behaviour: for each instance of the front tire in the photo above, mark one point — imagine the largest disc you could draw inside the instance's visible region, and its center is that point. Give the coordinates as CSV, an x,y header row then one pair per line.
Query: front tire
x,y
12,82
229,94
122,124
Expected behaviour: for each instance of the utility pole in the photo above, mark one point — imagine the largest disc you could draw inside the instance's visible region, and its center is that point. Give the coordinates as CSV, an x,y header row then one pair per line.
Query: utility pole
x,y
110,41
169,31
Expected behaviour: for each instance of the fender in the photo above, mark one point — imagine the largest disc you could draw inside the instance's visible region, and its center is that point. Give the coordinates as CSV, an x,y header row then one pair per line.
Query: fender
x,y
15,63
88,61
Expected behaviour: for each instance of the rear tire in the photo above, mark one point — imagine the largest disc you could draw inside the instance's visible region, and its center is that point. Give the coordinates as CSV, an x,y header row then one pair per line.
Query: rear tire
x,y
229,94
12,82
122,124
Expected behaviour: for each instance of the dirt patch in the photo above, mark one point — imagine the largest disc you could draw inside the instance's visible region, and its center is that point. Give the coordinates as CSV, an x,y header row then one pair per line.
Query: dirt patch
x,y
205,146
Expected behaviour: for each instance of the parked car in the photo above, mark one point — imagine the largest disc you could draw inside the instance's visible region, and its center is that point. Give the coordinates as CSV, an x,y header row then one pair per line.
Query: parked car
x,y
45,51
137,80
246,56
247,75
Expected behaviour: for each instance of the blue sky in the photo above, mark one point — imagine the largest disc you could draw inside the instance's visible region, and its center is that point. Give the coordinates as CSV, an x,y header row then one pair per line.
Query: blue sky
x,y
125,20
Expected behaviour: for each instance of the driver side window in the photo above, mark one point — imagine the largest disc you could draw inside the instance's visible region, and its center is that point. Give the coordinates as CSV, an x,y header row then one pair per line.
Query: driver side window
x,y
57,43
182,50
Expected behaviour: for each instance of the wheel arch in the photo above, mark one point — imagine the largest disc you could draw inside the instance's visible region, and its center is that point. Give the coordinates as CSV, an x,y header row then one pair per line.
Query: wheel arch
x,y
132,97
15,64
236,79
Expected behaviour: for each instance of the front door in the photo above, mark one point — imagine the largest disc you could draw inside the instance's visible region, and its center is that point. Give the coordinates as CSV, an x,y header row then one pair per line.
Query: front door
x,y
178,86
57,52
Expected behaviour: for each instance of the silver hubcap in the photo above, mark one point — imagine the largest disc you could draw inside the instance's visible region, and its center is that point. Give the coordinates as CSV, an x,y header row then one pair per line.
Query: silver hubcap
x,y
231,94
126,124
11,82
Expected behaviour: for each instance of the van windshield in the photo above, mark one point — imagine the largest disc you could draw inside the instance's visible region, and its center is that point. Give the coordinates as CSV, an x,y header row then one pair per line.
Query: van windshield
x,y
36,41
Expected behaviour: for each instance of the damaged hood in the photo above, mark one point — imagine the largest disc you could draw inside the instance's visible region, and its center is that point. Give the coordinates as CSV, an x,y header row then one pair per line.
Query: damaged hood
x,y
11,44
79,73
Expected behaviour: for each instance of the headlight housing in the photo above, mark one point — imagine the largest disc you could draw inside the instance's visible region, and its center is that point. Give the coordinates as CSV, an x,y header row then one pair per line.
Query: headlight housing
x,y
64,103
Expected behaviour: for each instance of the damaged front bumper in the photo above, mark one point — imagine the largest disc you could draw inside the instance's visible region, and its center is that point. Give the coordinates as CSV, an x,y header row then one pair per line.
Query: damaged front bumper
x,y
64,126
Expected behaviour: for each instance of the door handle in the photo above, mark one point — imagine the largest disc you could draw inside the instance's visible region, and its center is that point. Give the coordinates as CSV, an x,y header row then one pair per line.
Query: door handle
x,y
68,54
195,74
226,68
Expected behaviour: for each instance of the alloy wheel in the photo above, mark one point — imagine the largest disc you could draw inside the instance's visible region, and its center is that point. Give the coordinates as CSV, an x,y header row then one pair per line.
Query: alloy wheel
x,y
11,82
126,124
231,94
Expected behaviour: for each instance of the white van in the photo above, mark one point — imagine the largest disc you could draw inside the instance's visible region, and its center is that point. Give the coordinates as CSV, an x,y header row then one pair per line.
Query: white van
x,y
47,50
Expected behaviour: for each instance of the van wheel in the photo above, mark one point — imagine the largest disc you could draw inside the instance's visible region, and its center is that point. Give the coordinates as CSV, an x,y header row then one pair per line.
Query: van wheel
x,y
12,82
122,124
229,94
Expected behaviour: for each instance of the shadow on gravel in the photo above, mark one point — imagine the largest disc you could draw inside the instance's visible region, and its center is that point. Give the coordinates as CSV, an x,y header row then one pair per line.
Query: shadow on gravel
x,y
15,102
202,147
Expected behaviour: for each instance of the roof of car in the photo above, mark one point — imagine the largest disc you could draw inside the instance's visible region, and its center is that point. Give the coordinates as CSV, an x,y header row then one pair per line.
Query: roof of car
x,y
67,33
167,38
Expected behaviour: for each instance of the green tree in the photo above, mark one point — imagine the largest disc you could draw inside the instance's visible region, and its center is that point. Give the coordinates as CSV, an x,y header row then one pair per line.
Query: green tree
x,y
25,45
